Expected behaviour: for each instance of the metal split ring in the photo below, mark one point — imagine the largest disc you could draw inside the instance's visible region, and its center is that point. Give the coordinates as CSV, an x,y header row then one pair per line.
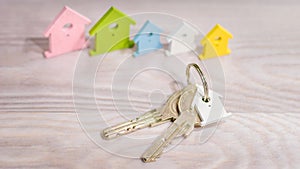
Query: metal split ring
x,y
205,98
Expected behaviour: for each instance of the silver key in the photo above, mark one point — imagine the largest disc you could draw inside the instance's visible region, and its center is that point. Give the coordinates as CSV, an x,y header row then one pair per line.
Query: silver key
x,y
168,112
182,126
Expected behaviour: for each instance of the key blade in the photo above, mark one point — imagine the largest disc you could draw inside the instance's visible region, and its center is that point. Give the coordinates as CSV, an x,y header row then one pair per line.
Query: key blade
x,y
149,119
168,112
181,126
146,120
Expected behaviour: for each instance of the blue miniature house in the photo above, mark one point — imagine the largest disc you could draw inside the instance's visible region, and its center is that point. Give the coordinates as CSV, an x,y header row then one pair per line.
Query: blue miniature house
x,y
147,39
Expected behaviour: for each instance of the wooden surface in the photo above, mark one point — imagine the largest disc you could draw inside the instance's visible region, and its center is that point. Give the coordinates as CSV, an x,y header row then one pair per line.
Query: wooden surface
x,y
39,127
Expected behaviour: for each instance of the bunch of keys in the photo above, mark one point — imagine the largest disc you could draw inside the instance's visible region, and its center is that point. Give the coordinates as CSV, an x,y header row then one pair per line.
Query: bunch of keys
x,y
193,106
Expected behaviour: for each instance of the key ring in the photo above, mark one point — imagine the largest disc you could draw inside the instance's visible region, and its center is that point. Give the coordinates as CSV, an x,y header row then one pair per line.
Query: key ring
x,y
205,98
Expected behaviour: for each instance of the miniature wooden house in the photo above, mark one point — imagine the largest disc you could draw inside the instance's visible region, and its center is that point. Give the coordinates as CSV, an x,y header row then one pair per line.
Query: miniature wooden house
x,y
182,40
215,43
112,32
147,39
66,33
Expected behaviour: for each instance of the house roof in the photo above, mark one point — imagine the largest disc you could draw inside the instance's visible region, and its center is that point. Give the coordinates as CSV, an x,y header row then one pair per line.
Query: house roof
x,y
182,29
148,27
66,11
112,15
219,27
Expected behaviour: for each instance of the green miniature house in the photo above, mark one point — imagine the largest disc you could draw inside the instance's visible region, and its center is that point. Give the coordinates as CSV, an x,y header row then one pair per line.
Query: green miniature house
x,y
112,32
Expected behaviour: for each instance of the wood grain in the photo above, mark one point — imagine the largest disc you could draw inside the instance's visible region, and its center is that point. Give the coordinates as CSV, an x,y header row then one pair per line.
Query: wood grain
x,y
39,127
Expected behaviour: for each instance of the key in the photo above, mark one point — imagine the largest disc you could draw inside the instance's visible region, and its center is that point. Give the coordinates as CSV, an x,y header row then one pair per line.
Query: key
x,y
182,126
168,112
191,107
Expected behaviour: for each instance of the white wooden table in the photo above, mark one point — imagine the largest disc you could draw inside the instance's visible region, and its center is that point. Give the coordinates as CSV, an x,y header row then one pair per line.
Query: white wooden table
x,y
39,127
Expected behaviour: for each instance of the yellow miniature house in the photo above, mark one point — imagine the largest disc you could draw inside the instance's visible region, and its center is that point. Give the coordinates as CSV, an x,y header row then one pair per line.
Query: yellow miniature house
x,y
215,43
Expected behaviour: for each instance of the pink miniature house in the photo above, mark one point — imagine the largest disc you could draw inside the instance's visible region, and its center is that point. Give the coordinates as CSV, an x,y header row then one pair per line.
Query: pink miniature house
x,y
66,33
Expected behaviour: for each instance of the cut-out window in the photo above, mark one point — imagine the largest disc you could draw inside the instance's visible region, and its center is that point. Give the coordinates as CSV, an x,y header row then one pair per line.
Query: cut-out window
x,y
113,26
218,38
67,26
